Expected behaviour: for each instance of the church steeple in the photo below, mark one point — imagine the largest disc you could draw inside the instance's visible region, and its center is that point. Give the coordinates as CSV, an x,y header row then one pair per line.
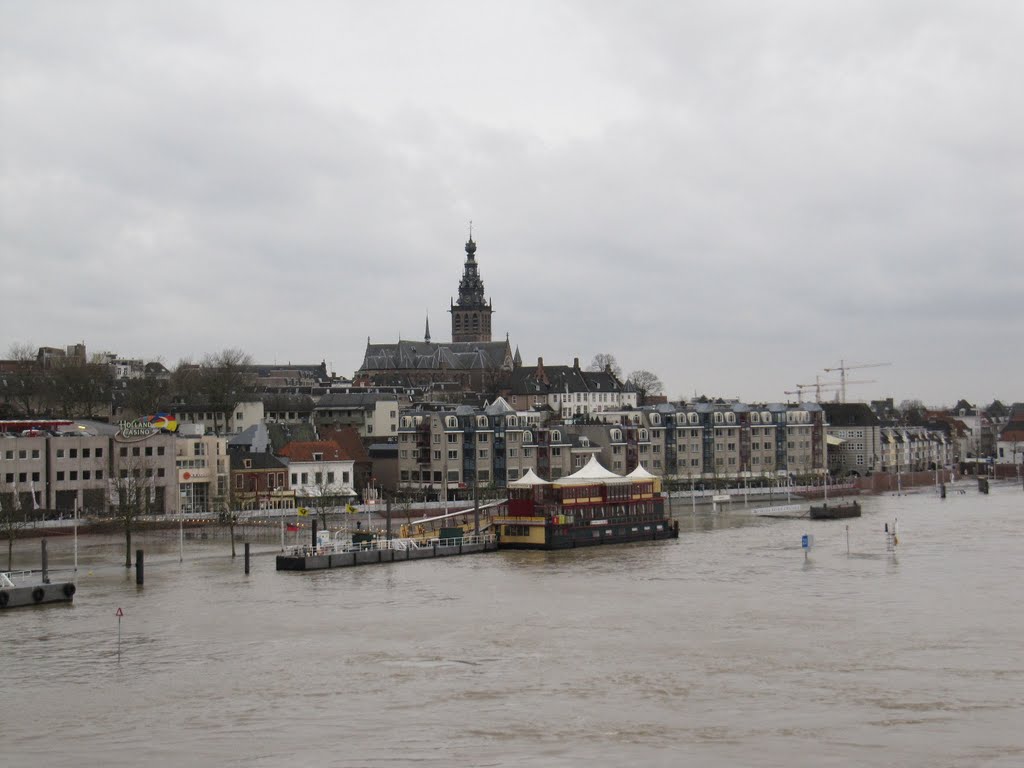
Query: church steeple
x,y
426,335
471,315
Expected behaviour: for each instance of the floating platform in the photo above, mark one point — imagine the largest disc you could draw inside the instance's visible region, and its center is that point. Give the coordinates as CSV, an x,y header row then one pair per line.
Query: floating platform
x,y
838,511
13,595
383,551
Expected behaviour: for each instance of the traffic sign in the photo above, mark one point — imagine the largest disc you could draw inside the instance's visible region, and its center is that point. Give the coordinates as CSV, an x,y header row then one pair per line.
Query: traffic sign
x,y
119,613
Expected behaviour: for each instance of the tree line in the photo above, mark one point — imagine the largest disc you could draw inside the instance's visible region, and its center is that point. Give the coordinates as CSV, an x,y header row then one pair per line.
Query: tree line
x,y
72,388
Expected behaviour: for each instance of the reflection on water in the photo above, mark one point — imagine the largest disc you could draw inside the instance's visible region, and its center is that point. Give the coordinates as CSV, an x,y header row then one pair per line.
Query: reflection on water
x,y
723,648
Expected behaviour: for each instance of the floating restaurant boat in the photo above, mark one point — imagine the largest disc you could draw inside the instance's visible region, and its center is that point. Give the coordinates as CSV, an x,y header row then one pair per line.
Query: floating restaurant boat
x,y
14,594
590,507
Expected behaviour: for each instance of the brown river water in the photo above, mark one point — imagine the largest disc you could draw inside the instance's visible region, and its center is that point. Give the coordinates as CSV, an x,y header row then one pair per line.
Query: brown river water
x,y
724,648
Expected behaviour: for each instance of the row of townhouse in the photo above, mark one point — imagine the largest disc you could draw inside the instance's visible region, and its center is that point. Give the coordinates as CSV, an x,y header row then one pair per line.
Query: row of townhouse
x,y
914,449
447,451
86,466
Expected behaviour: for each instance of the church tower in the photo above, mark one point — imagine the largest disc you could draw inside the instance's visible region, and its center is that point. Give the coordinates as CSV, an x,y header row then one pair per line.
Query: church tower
x,y
471,315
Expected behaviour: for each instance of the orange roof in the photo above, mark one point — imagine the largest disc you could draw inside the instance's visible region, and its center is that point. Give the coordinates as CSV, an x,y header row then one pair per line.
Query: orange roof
x,y
303,451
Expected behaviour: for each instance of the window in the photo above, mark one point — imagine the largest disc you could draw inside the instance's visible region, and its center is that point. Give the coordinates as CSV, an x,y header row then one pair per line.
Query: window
x,y
483,453
513,453
482,438
330,477
99,474
556,451
344,477
437,455
453,437
318,477
437,439
60,477
453,455
60,453
123,451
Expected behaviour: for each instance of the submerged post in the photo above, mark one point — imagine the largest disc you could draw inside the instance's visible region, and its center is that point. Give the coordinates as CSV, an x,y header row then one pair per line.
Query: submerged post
x,y
247,557
46,576
387,507
140,573
476,516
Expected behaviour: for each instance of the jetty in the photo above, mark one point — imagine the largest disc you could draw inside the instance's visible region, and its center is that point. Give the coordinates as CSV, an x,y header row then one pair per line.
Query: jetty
x,y
16,594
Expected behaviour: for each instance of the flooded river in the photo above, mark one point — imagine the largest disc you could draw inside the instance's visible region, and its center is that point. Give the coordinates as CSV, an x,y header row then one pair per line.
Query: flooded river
x,y
724,648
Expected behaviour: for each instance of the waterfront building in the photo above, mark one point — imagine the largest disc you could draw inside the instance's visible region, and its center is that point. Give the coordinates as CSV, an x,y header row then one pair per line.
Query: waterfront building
x,y
320,473
1010,445
854,433
259,481
372,414
568,391
449,450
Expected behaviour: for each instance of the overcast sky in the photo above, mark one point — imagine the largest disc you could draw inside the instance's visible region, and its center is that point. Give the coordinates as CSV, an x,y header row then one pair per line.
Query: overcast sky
x,y
733,195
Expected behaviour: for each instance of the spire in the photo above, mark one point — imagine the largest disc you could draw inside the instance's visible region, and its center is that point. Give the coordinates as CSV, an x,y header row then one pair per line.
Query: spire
x,y
426,336
517,360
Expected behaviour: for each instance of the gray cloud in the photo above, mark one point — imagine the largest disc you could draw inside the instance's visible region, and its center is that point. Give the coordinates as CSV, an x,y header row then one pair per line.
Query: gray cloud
x,y
730,195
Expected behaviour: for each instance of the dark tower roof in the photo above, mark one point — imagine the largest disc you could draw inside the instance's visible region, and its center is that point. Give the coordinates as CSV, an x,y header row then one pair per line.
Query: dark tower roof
x,y
471,287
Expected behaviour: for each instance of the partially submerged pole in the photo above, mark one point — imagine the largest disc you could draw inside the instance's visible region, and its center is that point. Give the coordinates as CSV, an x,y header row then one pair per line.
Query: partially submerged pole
x,y
247,557
140,573
46,576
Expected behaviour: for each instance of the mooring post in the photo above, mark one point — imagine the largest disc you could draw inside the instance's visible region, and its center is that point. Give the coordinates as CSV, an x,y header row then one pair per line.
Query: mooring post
x,y
140,574
247,557
46,576
387,507
476,515
313,543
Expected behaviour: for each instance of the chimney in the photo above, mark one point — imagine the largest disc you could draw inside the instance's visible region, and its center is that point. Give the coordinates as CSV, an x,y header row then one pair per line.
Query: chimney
x,y
576,363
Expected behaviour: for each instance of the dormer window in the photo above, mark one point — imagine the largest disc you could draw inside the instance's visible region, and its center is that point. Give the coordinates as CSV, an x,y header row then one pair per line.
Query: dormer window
x,y
318,457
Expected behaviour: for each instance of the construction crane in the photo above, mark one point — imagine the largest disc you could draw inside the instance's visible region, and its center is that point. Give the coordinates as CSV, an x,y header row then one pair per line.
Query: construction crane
x,y
843,368
820,386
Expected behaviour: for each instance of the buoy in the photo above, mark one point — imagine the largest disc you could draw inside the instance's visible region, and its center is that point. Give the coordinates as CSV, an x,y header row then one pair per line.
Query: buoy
x,y
69,589
37,594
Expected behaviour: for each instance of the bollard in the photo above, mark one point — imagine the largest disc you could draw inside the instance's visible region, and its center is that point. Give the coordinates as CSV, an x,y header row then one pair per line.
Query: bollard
x,y
139,570
942,491
313,543
46,576
246,557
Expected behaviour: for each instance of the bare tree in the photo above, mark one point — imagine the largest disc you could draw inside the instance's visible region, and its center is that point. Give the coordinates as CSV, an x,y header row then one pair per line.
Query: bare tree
x,y
11,521
22,385
605,361
326,496
130,497
646,384
225,376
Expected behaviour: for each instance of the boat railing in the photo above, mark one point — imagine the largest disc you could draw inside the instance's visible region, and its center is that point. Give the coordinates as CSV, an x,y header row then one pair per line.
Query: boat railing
x,y
6,577
400,544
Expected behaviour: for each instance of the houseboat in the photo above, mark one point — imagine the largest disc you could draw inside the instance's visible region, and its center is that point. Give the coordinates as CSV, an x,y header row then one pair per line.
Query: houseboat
x,y
590,507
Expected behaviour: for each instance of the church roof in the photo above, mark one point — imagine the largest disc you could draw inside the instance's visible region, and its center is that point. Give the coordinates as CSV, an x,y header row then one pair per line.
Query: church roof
x,y
423,355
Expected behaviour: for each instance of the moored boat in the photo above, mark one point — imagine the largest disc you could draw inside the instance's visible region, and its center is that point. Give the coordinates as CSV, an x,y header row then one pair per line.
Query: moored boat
x,y
590,507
